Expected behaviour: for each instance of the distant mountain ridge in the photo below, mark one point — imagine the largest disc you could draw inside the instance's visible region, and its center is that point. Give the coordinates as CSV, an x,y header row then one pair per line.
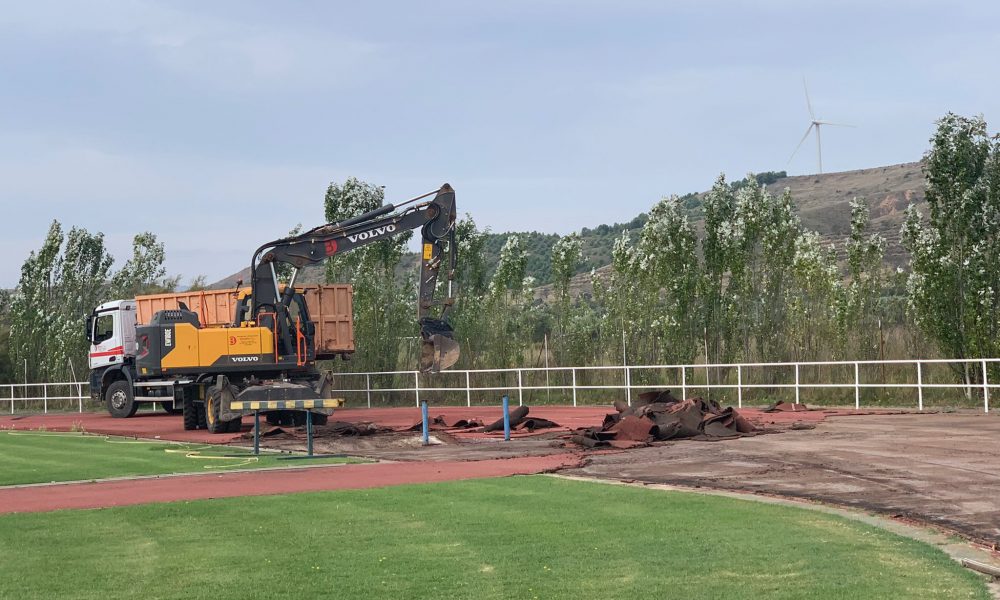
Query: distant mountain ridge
x,y
822,202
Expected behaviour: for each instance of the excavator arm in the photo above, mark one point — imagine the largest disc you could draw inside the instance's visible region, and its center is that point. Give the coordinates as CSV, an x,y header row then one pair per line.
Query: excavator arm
x,y
436,220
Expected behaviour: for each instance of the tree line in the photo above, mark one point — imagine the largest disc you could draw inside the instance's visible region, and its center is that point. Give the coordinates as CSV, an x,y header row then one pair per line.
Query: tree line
x,y
755,286
43,319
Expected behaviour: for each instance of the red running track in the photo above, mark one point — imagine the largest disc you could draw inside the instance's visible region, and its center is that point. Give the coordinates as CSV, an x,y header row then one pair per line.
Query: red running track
x,y
126,492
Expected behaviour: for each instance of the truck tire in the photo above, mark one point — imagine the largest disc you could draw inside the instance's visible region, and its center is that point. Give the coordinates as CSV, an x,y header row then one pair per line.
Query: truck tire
x,y
190,414
119,399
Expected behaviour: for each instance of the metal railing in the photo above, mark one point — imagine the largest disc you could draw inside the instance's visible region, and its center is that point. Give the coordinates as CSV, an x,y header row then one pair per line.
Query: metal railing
x,y
65,396
615,382
738,378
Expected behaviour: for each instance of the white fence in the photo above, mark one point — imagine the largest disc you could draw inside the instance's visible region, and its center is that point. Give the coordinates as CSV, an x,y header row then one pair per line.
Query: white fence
x,y
738,378
32,396
921,377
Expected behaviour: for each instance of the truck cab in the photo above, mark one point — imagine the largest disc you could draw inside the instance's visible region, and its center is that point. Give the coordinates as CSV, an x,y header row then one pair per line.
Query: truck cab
x,y
111,333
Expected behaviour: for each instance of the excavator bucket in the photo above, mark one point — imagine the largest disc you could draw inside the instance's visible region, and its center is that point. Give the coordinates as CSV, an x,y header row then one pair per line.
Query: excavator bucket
x,y
438,350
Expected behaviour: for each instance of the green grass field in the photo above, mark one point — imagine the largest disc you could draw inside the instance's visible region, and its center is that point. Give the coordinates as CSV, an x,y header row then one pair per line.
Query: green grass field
x,y
41,457
522,537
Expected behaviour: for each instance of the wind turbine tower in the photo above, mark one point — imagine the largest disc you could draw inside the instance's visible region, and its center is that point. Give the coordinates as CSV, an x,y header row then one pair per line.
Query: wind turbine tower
x,y
814,123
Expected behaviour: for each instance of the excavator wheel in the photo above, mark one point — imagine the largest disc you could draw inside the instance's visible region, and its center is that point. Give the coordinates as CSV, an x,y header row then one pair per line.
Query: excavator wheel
x,y
213,407
234,426
190,414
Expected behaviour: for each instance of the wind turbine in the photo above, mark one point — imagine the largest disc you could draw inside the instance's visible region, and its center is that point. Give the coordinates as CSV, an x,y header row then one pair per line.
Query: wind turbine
x,y
814,123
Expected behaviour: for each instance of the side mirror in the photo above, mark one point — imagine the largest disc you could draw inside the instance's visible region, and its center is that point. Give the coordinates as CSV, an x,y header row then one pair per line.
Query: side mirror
x,y
90,328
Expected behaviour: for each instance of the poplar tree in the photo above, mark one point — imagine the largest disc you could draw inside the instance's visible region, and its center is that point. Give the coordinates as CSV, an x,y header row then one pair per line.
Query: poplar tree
x,y
954,284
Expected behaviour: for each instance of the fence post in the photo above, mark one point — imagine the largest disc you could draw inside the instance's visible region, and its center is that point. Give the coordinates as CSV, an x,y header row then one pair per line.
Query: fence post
x,y
797,383
416,386
628,385
684,384
857,387
520,390
574,387
739,386
986,390
45,398
79,395
920,386
368,388
11,399
468,390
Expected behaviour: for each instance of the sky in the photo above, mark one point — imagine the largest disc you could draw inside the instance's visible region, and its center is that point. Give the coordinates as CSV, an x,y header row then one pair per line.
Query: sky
x,y
218,125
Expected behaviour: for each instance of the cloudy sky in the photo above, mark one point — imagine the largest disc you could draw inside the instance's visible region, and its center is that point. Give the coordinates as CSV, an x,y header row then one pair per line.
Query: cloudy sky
x,y
218,125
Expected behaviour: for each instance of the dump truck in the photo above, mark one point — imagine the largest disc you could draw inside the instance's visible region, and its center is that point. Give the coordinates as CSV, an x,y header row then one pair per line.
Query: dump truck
x,y
179,350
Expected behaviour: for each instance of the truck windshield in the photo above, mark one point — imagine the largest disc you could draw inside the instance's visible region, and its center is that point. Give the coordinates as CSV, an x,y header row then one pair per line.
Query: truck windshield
x,y
104,328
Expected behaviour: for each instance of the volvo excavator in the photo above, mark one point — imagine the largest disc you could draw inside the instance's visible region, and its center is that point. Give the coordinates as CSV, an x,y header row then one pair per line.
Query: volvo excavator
x,y
267,355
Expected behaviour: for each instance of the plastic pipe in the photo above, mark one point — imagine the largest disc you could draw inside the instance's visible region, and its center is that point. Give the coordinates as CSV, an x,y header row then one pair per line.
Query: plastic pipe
x,y
506,418
424,425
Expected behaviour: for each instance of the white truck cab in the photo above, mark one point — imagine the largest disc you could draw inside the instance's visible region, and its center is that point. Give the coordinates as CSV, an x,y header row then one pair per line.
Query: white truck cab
x,y
111,331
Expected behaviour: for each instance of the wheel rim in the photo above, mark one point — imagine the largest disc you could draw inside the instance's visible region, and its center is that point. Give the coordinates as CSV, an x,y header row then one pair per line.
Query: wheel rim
x,y
210,410
119,399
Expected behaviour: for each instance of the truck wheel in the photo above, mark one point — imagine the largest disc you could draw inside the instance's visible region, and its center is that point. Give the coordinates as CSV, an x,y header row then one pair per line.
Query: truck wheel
x,y
190,415
119,399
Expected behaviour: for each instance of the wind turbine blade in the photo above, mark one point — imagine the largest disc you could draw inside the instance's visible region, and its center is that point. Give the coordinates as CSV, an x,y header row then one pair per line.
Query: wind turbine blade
x,y
802,141
808,103
835,124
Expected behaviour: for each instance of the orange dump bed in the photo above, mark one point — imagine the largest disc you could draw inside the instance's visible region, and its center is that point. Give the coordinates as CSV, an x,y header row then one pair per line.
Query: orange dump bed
x,y
331,307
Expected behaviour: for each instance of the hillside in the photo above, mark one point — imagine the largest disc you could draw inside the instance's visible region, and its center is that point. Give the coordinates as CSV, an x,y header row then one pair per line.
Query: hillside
x,y
822,202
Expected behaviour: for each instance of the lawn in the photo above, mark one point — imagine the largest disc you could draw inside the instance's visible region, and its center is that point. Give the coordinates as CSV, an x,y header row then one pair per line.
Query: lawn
x,y
40,457
520,537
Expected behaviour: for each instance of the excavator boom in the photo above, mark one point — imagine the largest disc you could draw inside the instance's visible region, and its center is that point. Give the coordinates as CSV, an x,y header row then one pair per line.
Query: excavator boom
x,y
436,220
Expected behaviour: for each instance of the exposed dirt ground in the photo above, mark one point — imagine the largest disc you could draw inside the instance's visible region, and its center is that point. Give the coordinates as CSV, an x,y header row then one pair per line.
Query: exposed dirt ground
x,y
941,469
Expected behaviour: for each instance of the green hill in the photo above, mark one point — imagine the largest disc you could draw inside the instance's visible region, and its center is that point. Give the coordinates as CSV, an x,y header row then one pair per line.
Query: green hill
x,y
822,203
